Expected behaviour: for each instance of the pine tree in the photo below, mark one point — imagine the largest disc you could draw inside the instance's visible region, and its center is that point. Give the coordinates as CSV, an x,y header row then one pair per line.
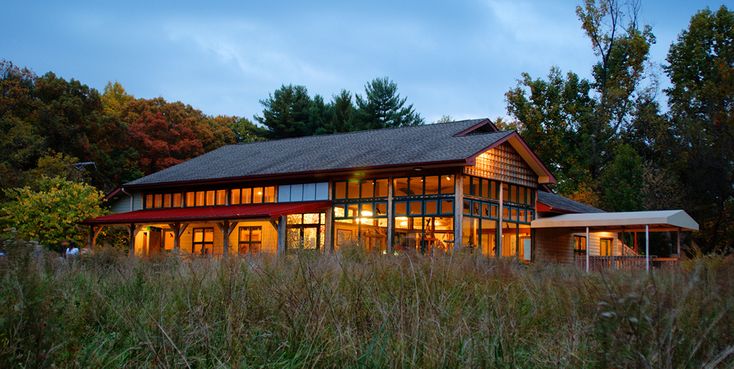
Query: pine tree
x,y
382,107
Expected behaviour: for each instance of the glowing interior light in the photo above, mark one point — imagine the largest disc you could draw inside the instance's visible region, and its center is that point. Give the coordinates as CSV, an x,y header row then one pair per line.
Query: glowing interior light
x,y
366,213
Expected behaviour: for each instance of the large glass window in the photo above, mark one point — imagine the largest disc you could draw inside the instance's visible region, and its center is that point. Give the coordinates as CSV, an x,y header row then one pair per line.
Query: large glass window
x,y
301,192
579,244
305,231
249,240
202,241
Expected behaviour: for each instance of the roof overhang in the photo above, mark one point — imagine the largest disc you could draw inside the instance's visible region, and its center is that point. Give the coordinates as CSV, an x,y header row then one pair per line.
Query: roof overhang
x,y
522,148
233,212
660,220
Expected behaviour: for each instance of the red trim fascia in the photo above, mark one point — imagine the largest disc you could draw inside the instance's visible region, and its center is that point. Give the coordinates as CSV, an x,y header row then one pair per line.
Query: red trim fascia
x,y
232,212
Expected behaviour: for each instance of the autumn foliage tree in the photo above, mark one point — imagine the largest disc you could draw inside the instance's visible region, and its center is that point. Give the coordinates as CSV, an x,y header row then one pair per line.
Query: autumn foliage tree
x,y
51,214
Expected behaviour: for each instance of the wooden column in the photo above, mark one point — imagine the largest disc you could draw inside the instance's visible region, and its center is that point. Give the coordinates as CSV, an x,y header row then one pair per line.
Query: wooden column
x,y
500,216
329,231
677,242
458,210
178,230
134,229
226,227
588,247
647,247
390,216
93,234
282,222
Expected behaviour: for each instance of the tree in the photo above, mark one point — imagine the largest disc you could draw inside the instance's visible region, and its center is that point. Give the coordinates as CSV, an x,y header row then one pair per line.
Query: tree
x,y
701,99
444,119
343,110
549,114
287,112
622,49
115,99
622,180
382,107
52,213
245,131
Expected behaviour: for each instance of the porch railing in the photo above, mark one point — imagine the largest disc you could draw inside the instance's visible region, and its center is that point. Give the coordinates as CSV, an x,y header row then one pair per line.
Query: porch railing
x,y
637,262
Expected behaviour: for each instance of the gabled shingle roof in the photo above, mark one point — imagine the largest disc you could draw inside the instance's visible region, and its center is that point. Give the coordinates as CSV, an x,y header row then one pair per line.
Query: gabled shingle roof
x,y
560,203
443,142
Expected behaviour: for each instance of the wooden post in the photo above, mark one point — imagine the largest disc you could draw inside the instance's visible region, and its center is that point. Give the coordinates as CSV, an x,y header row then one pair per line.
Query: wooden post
x,y
677,241
133,232
647,247
178,230
281,234
226,227
390,217
500,215
329,231
458,211
588,246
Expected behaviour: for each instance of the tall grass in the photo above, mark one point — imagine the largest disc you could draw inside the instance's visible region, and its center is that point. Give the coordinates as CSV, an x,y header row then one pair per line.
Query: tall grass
x,y
358,310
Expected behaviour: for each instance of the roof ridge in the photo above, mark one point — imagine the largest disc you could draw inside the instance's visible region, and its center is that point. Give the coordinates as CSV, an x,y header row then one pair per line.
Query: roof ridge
x,y
361,131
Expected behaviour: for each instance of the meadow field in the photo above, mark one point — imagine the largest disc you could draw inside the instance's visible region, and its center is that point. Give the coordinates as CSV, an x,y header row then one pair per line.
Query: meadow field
x,y
354,310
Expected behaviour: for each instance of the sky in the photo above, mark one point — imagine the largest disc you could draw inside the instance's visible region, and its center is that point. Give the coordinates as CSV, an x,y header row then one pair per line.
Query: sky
x,y
455,58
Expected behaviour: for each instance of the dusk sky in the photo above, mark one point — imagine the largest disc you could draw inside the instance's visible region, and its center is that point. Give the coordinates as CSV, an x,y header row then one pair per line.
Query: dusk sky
x,y
453,58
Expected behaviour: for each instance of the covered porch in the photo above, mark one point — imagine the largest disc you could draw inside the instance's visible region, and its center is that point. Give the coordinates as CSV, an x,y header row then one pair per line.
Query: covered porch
x,y
220,231
597,240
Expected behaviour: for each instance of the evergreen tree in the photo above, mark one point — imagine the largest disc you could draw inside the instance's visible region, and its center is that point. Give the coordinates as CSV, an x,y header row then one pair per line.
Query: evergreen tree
x,y
622,180
382,107
287,112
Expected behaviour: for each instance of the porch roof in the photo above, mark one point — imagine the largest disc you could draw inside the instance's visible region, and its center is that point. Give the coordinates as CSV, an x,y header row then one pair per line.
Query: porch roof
x,y
658,220
251,211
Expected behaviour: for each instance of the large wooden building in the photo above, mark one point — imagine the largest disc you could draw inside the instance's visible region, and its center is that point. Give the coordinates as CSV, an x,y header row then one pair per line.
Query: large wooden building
x,y
426,189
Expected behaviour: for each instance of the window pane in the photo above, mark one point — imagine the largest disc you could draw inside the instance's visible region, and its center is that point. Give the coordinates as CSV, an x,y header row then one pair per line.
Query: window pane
x,y
190,199
297,192
416,186
400,187
416,207
484,187
401,208
234,197
177,200
311,218
365,210
353,189
352,210
467,207
294,219
256,235
244,234
467,185
149,201
381,188
494,210
247,196
368,188
210,196
284,193
309,192
257,195
322,191
476,208
431,207
221,197
485,210
158,200
493,190
469,232
340,190
269,194
381,209
167,200
431,185
339,211
200,197
198,235
447,206
447,184
208,235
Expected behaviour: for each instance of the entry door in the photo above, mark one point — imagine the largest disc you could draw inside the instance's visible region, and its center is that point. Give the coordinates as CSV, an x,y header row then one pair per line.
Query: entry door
x,y
155,242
